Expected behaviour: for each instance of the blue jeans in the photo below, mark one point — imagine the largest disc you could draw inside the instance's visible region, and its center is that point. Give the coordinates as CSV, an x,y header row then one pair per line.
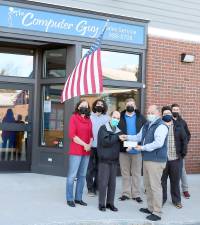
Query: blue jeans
x,y
184,180
77,169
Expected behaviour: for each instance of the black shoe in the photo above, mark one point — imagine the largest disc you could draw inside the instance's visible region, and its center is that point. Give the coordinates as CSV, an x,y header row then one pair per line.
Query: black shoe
x,y
71,203
123,198
145,210
80,202
153,217
102,208
111,207
138,199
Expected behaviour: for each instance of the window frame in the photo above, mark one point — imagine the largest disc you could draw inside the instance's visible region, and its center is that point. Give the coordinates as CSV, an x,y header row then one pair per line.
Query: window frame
x,y
127,84
41,125
44,76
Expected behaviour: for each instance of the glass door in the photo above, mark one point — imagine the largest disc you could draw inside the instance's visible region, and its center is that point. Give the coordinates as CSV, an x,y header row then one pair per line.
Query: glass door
x,y
15,127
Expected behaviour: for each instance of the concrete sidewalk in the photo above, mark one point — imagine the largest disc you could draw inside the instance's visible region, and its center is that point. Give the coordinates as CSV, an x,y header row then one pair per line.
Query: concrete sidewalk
x,y
33,199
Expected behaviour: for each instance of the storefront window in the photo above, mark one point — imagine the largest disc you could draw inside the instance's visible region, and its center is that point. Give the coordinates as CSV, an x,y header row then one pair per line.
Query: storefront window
x,y
16,101
17,65
120,66
115,97
54,63
52,117
14,107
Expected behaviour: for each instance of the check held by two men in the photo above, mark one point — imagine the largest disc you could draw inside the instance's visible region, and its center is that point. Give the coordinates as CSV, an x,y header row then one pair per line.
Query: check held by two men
x,y
130,144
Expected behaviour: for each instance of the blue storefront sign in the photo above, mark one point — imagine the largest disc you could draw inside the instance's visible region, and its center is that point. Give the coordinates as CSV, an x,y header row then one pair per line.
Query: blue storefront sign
x,y
62,24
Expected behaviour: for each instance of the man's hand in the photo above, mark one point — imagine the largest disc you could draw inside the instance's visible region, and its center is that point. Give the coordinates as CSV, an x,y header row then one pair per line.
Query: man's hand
x,y
138,148
123,137
128,149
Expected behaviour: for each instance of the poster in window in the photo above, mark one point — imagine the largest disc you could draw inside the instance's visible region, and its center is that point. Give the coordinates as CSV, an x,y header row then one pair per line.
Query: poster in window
x,y
47,106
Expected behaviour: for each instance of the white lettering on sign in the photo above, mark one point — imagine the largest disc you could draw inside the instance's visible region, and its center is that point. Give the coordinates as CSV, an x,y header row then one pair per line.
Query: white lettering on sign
x,y
69,25
29,20
26,21
82,27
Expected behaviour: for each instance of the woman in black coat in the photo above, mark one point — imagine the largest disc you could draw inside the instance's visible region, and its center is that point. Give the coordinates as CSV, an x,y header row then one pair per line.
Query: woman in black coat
x,y
108,148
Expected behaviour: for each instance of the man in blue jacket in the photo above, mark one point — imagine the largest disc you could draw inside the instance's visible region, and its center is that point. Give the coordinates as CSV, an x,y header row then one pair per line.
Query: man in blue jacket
x,y
153,139
131,121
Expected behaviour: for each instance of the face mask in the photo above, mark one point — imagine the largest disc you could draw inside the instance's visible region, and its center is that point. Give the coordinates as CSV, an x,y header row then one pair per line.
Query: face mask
x,y
130,109
114,122
175,114
99,109
151,117
84,110
167,118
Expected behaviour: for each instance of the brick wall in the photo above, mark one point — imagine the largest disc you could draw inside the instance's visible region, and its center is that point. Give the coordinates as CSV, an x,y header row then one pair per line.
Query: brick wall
x,y
168,80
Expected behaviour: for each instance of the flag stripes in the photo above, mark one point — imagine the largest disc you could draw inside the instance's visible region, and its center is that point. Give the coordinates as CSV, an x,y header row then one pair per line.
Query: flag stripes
x,y
86,78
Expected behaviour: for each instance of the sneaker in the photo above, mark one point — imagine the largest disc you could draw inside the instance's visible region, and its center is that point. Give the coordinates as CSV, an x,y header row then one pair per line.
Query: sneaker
x,y
91,194
138,199
123,198
145,210
178,205
153,217
186,194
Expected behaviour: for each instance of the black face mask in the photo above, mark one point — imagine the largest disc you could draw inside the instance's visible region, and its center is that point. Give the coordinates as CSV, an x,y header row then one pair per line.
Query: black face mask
x,y
99,109
175,114
167,118
130,109
84,110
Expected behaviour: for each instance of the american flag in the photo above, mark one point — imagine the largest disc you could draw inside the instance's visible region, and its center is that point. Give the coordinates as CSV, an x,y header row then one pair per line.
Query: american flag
x,y
86,77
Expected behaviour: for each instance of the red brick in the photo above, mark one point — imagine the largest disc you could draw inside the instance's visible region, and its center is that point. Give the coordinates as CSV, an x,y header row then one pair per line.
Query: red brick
x,y
168,81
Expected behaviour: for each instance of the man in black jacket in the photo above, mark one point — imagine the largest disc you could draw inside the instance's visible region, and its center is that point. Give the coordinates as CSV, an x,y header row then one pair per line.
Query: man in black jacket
x,y
176,151
108,148
131,122
177,117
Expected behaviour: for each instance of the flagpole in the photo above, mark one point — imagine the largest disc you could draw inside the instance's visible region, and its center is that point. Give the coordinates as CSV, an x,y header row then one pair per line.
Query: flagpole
x,y
106,24
105,27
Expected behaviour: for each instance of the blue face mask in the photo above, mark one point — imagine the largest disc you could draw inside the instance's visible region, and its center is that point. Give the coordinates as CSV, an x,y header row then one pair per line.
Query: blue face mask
x,y
114,122
167,118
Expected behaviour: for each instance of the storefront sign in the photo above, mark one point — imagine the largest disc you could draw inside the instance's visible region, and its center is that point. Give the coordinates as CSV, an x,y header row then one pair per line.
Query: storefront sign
x,y
57,23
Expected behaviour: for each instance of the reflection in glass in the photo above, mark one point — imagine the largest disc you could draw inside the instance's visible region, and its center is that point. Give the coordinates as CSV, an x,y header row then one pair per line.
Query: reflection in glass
x,y
13,145
119,66
17,65
115,97
54,63
17,100
52,117
14,106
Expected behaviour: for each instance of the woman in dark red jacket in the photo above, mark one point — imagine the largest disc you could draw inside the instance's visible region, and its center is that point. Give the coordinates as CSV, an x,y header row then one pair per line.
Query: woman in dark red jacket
x,y
80,134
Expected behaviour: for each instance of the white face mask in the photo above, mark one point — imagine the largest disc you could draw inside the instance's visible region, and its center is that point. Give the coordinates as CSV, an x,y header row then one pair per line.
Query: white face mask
x,y
151,117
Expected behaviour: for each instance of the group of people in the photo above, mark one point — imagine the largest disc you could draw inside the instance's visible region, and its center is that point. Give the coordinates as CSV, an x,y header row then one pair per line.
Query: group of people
x,y
154,146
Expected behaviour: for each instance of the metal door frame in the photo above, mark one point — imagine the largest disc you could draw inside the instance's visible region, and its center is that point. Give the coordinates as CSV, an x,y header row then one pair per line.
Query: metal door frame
x,y
20,165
